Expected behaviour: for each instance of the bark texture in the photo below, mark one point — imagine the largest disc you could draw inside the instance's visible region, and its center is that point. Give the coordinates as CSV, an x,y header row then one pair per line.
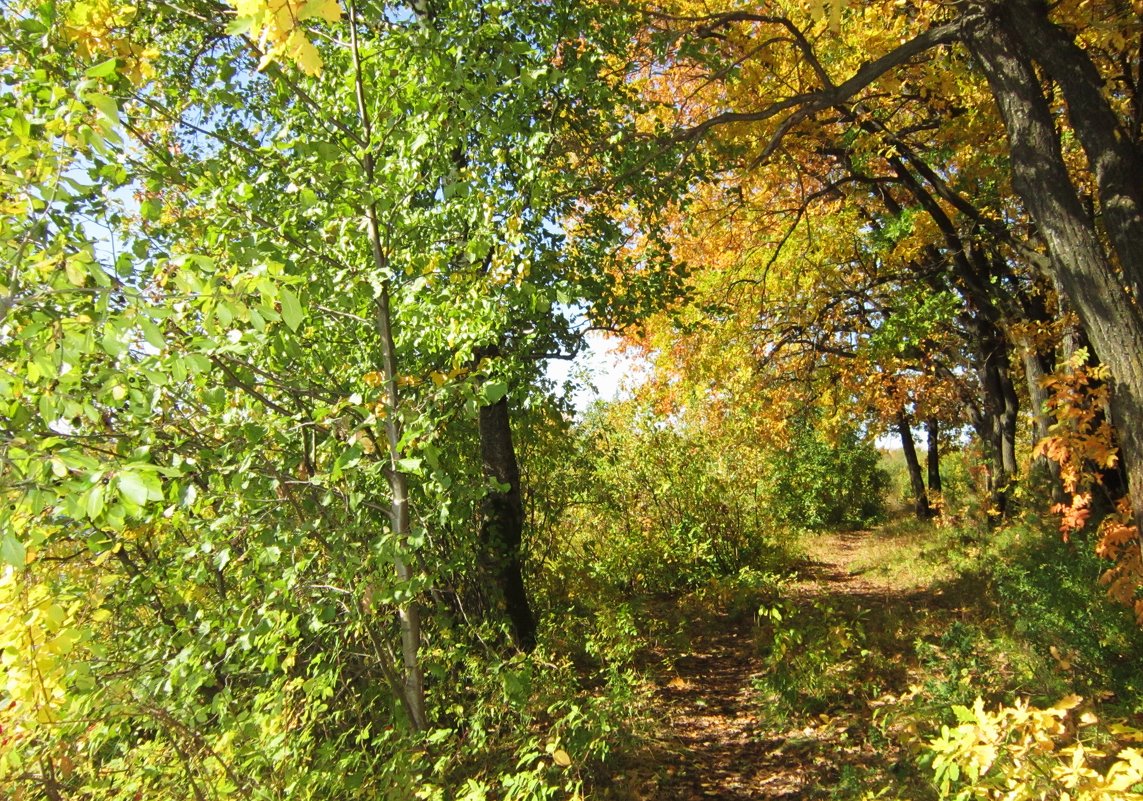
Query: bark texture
x,y
502,530
996,419
1081,270
916,477
1114,157
933,457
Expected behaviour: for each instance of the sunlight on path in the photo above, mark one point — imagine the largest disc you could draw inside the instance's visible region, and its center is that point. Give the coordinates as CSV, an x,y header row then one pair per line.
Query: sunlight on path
x,y
719,741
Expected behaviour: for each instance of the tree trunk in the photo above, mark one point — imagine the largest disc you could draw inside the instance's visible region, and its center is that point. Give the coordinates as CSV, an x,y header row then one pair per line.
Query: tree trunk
x,y
916,477
503,525
408,614
933,456
997,419
1114,157
1009,415
1079,267
503,512
1036,369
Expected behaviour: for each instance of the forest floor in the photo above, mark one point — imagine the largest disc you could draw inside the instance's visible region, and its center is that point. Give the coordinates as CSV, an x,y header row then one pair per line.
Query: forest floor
x,y
793,701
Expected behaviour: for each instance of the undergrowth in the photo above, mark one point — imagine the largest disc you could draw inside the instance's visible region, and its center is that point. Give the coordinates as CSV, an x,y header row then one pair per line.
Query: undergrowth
x,y
960,621
952,649
948,623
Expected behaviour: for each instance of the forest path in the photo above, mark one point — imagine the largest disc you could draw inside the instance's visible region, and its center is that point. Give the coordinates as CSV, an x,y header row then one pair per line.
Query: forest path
x,y
728,730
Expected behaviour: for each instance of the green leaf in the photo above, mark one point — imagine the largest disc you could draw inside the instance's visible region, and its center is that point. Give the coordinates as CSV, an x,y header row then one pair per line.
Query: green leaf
x,y
239,26
95,501
104,69
47,408
350,457
152,333
132,488
292,312
196,362
21,128
100,541
151,210
110,342
493,391
138,488
105,105
12,550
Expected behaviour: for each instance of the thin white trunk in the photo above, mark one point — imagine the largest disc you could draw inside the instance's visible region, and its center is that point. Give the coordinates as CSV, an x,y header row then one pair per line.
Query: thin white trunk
x,y
409,613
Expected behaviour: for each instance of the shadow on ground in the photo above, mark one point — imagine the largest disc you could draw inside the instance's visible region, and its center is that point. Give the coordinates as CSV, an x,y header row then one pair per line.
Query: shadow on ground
x,y
747,711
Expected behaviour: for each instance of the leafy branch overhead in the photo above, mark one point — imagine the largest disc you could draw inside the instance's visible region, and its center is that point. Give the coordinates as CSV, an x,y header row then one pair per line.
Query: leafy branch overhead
x,y
291,505
276,27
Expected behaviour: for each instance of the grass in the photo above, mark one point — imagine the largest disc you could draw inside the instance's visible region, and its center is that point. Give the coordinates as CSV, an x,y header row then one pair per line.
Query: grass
x,y
902,555
852,666
929,617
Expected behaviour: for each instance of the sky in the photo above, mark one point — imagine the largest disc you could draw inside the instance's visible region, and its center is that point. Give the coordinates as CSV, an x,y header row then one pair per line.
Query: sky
x,y
601,369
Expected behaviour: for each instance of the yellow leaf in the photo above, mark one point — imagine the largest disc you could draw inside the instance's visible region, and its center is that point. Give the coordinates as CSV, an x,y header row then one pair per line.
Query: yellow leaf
x,y
561,758
328,10
1067,702
304,53
275,26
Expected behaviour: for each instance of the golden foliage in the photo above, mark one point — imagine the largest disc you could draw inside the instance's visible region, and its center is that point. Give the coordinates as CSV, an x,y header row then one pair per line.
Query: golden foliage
x,y
1082,434
41,645
1119,542
100,29
1082,443
1023,752
276,28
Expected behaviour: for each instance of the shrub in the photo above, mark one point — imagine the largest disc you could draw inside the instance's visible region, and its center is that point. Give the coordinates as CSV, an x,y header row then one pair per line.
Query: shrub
x,y
1022,752
823,482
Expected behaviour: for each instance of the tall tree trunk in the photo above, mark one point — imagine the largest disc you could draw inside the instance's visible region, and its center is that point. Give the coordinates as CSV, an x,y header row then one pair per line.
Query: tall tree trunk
x,y
1009,415
503,525
1112,318
408,614
1114,157
503,512
1036,369
997,419
916,477
933,456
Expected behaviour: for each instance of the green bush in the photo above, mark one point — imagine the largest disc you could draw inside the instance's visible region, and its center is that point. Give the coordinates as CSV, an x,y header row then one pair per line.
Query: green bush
x,y
823,482
663,508
812,657
1049,589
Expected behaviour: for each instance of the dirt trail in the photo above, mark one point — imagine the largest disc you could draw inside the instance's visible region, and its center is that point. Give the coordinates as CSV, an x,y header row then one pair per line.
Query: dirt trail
x,y
719,743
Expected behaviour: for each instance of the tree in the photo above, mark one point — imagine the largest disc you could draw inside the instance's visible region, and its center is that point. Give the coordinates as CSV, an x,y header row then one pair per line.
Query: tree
x,y
766,86
259,387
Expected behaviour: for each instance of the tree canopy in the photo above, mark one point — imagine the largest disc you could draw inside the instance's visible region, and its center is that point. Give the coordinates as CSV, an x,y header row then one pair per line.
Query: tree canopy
x,y
279,457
